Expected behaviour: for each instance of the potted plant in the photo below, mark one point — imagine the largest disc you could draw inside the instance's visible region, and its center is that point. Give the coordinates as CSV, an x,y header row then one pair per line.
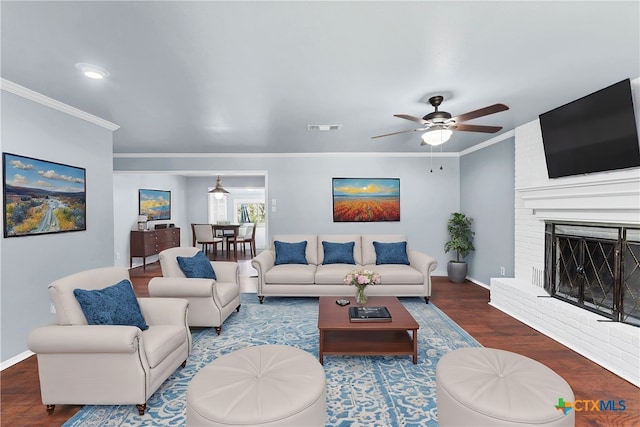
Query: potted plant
x,y
460,241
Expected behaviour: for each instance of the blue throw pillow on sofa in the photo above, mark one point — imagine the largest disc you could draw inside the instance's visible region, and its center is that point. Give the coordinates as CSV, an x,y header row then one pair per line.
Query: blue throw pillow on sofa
x,y
114,305
391,253
338,253
290,253
197,266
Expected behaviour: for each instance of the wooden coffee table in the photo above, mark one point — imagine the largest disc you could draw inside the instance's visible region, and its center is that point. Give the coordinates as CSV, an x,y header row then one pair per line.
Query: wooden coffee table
x,y
340,336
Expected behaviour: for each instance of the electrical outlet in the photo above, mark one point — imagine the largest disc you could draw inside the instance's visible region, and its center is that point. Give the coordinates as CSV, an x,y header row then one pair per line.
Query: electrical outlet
x,y
52,308
117,255
502,271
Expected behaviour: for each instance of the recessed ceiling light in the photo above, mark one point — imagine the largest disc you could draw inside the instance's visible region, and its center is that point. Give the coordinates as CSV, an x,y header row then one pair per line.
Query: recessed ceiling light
x,y
92,71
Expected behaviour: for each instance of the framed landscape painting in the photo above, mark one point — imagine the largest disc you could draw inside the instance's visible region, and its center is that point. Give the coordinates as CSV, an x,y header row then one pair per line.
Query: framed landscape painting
x,y
155,204
366,199
42,197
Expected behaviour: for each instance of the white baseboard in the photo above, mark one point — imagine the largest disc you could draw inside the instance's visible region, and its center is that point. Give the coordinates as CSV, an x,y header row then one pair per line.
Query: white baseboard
x,y
479,283
15,359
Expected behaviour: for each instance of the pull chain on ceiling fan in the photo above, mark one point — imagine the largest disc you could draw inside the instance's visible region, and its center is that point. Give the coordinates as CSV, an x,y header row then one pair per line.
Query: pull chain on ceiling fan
x,y
440,124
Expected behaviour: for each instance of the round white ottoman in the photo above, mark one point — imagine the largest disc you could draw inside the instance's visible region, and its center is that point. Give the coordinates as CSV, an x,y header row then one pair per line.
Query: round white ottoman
x,y
490,387
261,385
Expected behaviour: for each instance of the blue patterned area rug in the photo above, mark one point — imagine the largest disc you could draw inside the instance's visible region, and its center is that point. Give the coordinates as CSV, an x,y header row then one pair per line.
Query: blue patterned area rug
x,y
361,391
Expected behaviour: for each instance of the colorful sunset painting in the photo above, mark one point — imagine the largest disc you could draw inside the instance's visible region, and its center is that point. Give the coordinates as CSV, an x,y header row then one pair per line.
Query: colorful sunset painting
x,y
155,204
366,199
42,197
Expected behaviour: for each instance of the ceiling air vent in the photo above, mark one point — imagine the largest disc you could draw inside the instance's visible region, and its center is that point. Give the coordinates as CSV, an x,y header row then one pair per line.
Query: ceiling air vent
x,y
323,127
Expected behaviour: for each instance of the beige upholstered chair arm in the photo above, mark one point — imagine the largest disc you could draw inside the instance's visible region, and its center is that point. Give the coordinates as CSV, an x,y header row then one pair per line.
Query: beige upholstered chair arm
x,y
84,339
422,262
226,271
164,311
178,287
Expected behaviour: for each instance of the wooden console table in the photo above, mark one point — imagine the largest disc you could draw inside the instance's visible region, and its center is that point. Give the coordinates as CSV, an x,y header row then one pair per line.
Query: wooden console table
x,y
151,242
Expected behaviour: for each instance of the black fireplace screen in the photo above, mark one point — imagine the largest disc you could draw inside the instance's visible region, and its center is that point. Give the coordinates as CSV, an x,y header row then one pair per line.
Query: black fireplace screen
x,y
596,268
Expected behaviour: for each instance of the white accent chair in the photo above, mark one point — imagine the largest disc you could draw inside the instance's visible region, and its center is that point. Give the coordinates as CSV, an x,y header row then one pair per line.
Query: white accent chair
x,y
104,364
210,301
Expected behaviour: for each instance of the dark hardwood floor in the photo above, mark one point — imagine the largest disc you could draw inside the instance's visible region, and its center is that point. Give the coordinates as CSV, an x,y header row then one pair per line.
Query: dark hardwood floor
x,y
466,304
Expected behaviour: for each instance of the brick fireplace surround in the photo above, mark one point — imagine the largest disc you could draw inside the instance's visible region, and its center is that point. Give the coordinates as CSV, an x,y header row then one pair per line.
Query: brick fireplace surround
x,y
611,197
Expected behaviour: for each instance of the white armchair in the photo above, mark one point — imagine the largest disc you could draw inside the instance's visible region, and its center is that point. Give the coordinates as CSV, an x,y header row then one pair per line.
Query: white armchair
x,y
106,364
210,301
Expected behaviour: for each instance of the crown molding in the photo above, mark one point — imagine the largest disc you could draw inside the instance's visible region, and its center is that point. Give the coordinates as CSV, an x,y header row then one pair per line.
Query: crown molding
x,y
276,155
34,96
489,142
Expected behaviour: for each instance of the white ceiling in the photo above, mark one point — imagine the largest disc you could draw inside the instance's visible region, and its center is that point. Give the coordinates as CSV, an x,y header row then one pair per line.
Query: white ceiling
x,y
230,77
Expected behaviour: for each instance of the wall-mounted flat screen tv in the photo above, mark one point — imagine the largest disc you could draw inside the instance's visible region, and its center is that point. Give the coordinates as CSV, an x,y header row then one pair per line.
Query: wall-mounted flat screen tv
x,y
595,133
155,204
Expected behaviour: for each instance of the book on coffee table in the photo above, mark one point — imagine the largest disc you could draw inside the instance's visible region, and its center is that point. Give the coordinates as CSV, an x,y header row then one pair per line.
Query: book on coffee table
x,y
369,314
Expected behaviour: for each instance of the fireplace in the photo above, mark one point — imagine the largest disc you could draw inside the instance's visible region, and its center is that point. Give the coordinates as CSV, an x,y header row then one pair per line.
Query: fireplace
x,y
595,267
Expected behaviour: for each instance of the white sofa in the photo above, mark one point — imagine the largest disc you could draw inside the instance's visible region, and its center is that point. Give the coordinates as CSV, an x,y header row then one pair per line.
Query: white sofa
x,y
316,278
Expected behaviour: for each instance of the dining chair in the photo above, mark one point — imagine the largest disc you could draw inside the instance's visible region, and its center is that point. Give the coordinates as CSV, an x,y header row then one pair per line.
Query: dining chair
x,y
203,235
247,234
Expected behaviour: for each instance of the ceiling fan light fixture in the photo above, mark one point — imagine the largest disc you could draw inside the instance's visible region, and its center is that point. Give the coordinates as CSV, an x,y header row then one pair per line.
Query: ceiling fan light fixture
x,y
218,192
436,136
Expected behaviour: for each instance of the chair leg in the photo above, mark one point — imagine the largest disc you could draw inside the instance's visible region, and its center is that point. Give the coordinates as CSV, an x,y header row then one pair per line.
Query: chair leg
x,y
426,300
141,408
184,363
218,329
238,308
50,409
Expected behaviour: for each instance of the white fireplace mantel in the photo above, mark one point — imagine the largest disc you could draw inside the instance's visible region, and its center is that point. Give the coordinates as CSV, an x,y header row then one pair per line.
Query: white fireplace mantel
x,y
602,198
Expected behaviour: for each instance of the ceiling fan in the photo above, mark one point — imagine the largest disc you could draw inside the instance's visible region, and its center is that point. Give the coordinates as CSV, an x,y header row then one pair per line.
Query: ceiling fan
x,y
440,124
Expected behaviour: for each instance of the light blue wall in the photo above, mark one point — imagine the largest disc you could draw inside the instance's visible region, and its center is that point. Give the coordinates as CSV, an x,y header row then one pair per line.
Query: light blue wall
x,y
125,204
301,186
487,179
30,263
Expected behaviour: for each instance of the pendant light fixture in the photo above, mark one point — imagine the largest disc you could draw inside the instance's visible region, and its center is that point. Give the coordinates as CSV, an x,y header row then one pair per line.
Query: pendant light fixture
x,y
218,192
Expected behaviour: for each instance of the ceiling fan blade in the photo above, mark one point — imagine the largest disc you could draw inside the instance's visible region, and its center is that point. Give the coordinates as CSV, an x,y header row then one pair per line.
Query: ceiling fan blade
x,y
396,133
492,109
412,118
475,128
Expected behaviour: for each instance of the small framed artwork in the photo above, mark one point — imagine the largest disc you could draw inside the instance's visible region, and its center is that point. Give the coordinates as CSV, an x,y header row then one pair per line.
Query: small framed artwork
x,y
366,199
154,204
42,197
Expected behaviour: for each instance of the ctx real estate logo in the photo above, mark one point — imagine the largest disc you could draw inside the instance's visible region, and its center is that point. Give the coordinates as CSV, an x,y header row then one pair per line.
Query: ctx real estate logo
x,y
590,405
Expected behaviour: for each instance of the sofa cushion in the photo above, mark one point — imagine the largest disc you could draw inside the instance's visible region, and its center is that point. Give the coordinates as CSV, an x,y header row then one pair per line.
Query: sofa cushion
x,y
397,274
113,305
391,253
369,252
333,274
312,244
160,341
291,273
341,238
290,253
197,266
337,253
